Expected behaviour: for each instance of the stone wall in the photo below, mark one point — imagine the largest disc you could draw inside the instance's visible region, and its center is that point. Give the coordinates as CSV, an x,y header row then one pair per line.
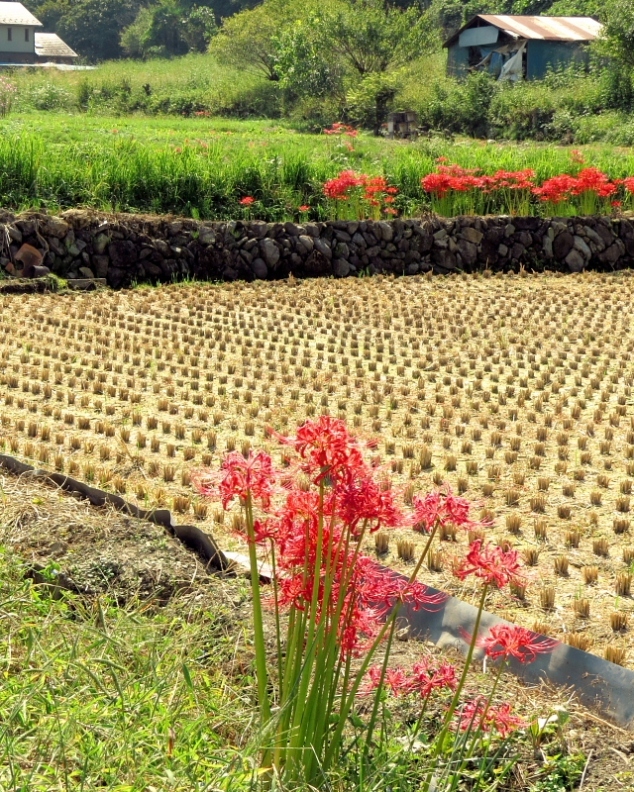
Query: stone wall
x,y
125,249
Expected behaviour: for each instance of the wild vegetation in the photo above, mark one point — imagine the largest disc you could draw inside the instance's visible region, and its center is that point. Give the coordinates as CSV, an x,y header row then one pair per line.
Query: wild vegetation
x,y
320,63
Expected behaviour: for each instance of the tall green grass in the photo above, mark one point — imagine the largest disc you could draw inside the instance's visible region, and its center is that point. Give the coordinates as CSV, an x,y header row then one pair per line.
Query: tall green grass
x,y
203,167
95,696
179,86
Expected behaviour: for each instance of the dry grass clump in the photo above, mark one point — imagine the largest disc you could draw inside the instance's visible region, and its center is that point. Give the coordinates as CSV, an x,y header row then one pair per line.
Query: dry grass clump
x,y
513,391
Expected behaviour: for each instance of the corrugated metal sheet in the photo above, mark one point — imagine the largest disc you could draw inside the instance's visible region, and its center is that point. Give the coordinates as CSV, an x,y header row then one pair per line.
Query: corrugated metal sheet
x,y
547,28
538,27
16,14
48,45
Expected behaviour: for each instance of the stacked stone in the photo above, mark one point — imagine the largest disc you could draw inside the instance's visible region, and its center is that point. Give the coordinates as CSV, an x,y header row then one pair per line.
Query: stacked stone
x,y
126,249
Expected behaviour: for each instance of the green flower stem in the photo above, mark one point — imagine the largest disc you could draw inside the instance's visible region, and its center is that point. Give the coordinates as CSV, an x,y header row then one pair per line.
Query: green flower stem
x,y
258,622
440,740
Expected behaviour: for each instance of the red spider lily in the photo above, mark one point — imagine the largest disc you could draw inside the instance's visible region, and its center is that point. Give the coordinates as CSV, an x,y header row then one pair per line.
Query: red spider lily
x,y
422,679
373,191
508,180
557,189
451,177
491,564
476,714
443,508
593,180
304,208
629,184
241,476
429,679
248,200
340,188
361,501
577,157
506,640
327,449
342,129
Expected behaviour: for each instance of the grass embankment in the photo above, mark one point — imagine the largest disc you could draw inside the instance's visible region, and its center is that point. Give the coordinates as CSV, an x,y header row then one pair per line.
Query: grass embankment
x,y
129,699
203,167
568,106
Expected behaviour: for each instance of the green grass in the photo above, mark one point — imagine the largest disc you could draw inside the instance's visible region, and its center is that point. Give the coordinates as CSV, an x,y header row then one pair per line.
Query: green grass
x,y
125,699
202,167
182,85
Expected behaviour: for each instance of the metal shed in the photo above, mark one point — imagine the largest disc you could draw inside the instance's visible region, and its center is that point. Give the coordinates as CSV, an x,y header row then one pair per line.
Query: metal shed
x,y
519,47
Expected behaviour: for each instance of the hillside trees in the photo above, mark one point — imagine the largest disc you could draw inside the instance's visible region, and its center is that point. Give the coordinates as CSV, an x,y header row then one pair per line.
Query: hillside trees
x,y
166,29
94,27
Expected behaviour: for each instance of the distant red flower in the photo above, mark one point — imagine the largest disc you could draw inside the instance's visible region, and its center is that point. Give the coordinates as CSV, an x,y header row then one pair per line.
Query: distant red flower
x,y
429,679
629,184
506,640
491,564
339,188
342,129
593,180
240,476
304,208
248,200
577,157
476,715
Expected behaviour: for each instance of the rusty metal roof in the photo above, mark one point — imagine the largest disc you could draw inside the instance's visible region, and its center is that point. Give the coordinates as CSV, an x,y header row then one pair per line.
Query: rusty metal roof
x,y
49,45
539,27
16,14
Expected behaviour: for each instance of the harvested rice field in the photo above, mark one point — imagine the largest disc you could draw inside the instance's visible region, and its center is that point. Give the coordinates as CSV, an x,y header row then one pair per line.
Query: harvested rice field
x,y
514,391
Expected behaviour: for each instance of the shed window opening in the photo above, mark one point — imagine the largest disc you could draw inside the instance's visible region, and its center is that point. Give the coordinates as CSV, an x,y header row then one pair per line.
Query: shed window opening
x,y
9,34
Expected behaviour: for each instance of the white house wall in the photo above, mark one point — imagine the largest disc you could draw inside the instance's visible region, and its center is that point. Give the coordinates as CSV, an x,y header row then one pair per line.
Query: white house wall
x,y
17,44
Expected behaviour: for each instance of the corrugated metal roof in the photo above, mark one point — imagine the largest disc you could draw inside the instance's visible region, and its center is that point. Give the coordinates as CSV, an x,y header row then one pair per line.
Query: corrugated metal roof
x,y
49,45
16,14
539,27
547,28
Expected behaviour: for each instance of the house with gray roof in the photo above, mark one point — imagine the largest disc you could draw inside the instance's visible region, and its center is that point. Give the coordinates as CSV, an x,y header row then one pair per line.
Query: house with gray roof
x,y
23,44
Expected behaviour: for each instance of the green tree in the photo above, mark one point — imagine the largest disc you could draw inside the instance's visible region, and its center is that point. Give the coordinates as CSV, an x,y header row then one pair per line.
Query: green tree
x,y
93,27
372,36
248,40
305,67
618,33
167,29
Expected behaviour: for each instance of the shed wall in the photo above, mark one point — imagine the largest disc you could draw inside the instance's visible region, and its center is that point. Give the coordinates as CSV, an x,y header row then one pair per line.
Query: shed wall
x,y
542,55
457,61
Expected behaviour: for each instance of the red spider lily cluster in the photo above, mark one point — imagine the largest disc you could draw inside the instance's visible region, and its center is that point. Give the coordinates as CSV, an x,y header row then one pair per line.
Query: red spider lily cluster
x,y
457,179
360,591
342,129
248,200
563,188
311,518
479,714
590,186
369,192
422,679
